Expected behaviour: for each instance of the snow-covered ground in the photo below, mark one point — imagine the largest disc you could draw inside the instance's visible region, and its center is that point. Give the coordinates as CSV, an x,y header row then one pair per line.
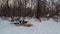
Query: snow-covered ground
x,y
44,27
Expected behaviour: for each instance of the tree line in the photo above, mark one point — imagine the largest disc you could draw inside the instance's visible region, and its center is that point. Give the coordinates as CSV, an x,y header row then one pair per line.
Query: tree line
x,y
29,8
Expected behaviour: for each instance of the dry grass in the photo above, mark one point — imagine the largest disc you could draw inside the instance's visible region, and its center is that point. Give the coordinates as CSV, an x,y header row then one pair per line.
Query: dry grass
x,y
25,25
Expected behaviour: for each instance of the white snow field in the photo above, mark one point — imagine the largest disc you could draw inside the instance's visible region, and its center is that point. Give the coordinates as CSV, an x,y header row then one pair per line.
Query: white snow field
x,y
44,27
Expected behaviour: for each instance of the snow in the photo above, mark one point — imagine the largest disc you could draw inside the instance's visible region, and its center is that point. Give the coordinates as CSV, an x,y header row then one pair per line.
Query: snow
x,y
44,27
